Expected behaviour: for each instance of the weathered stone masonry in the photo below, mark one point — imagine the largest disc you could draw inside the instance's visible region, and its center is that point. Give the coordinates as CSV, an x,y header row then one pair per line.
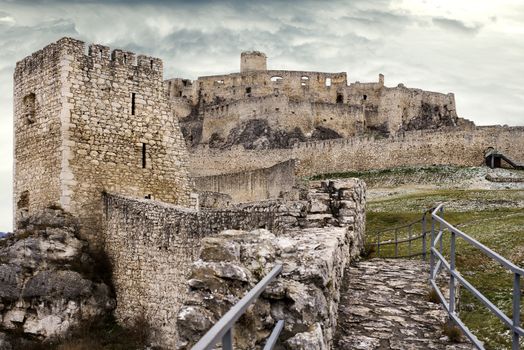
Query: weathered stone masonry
x,y
305,295
99,122
152,245
424,147
254,185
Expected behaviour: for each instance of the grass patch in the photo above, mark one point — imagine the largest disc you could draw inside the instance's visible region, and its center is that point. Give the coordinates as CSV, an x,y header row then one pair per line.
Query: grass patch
x,y
492,218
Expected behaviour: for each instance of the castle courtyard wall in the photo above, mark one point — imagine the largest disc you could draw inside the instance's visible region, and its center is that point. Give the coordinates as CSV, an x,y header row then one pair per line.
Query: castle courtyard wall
x,y
250,186
453,147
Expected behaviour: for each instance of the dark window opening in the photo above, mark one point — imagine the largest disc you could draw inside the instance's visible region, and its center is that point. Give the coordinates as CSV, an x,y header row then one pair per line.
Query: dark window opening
x,y
125,59
29,107
151,64
148,196
144,161
365,97
100,54
180,94
340,98
277,109
248,90
23,202
133,103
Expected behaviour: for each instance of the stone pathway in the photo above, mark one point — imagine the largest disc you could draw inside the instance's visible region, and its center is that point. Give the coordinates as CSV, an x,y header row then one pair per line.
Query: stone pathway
x,y
385,306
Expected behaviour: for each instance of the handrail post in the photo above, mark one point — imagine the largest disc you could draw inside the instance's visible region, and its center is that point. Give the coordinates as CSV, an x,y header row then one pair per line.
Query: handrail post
x,y
516,311
424,237
227,340
431,245
409,243
440,229
396,243
451,277
378,246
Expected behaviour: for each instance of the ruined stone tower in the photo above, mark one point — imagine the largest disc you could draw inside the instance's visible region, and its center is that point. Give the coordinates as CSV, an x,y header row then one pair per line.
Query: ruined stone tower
x,y
252,61
85,124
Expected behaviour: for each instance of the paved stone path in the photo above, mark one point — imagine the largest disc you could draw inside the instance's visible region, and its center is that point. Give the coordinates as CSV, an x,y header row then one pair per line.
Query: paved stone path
x,y
385,306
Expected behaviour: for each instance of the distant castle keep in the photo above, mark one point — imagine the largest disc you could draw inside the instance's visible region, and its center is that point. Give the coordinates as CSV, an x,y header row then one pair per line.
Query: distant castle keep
x,y
260,108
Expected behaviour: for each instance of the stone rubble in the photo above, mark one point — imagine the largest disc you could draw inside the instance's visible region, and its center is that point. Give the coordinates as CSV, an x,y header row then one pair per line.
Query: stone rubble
x,y
305,294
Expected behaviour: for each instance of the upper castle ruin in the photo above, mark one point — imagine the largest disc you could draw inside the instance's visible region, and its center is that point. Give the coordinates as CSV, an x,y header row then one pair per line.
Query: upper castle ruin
x,y
260,108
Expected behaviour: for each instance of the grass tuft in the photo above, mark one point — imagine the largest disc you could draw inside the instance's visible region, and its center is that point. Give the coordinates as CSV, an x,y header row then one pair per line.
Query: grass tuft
x,y
432,296
453,332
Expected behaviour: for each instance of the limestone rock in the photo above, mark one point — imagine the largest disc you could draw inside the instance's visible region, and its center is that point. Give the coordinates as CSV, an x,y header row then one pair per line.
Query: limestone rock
x,y
305,295
48,279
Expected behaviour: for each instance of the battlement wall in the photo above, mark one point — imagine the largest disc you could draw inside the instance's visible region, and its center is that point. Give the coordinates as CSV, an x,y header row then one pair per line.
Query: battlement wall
x,y
95,54
318,86
423,147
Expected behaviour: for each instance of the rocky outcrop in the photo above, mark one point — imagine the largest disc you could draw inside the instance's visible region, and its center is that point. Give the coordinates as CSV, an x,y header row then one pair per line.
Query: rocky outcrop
x,y
50,282
305,295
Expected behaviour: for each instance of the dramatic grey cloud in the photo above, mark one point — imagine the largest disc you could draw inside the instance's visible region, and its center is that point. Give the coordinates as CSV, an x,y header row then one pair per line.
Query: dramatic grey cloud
x,y
474,48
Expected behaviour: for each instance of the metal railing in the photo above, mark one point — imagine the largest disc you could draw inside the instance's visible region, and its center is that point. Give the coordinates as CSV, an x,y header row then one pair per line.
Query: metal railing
x,y
437,261
222,331
400,238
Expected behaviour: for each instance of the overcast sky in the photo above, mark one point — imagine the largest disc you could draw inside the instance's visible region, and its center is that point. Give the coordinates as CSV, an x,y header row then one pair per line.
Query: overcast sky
x,y
474,48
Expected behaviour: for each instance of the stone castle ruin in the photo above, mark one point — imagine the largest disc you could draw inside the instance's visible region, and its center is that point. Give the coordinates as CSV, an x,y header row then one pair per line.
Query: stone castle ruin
x,y
260,108
154,170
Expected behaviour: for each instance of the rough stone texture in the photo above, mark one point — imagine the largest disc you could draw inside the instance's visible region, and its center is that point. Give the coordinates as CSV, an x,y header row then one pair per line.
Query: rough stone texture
x,y
262,108
48,283
152,245
306,294
250,186
384,306
85,124
450,147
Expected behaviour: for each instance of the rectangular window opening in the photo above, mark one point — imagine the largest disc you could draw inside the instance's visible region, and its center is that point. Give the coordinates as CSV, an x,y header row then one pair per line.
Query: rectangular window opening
x,y
144,162
133,103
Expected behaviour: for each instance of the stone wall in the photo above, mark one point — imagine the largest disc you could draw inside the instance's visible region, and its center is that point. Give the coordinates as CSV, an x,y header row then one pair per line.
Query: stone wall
x,y
38,137
152,245
101,123
448,147
249,186
305,295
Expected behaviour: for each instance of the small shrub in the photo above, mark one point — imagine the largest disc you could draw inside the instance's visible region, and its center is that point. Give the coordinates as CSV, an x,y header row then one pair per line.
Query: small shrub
x,y
452,331
369,250
433,297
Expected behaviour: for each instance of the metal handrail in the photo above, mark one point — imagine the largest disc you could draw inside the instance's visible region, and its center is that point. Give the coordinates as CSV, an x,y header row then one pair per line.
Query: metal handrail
x,y
409,239
222,330
437,261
